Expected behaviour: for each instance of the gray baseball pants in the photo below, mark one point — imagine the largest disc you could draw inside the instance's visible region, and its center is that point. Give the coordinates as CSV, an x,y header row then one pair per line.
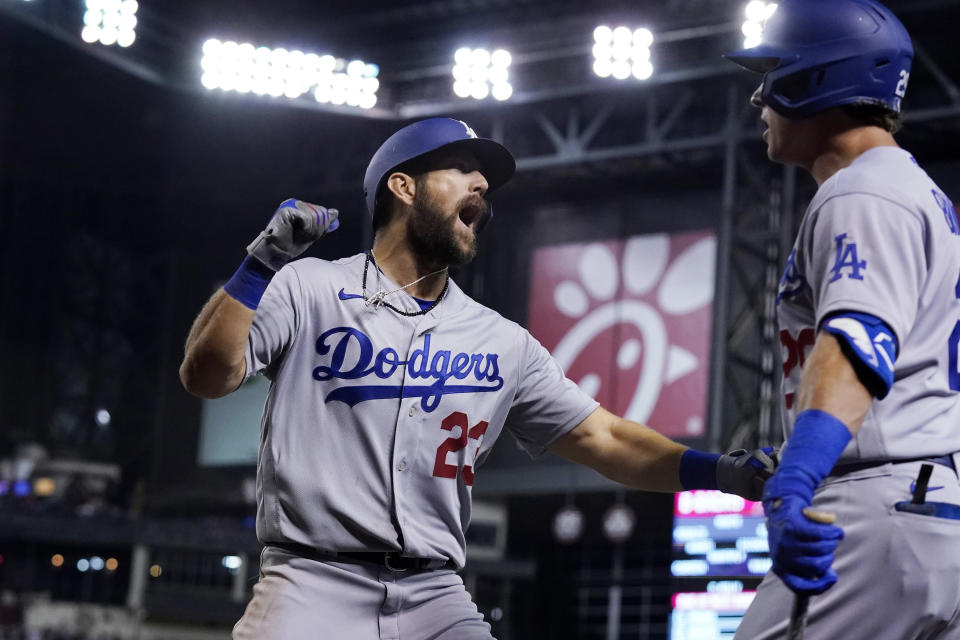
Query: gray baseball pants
x,y
298,598
899,573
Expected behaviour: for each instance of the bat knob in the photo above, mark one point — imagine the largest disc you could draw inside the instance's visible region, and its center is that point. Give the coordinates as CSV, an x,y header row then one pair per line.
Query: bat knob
x,y
823,517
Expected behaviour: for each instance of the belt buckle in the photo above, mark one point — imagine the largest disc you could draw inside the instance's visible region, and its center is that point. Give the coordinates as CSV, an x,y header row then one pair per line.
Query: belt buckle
x,y
386,562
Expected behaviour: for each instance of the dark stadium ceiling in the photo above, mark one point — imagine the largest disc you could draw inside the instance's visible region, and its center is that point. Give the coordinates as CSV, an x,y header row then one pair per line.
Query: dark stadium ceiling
x,y
413,42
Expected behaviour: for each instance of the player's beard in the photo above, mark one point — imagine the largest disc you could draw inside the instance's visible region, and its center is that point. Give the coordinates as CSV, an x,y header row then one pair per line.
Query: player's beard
x,y
433,233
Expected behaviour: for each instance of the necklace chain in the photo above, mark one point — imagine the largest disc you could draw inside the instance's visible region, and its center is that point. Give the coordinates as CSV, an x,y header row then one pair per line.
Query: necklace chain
x,y
379,298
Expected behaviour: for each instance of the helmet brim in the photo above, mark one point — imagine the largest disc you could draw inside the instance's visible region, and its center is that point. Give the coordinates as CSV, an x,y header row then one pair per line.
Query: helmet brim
x,y
761,58
496,163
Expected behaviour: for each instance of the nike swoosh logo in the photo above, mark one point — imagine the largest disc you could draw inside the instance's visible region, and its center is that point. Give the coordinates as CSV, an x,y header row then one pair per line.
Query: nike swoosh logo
x,y
913,487
348,296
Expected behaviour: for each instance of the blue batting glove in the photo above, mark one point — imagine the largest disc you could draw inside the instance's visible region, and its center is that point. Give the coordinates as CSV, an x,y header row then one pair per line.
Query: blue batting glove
x,y
801,550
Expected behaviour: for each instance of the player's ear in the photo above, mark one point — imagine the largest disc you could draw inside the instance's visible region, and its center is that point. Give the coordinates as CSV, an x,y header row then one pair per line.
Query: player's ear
x,y
403,186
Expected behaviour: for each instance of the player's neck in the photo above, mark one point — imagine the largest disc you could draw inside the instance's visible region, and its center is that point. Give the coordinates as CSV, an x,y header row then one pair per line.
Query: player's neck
x,y
399,263
844,146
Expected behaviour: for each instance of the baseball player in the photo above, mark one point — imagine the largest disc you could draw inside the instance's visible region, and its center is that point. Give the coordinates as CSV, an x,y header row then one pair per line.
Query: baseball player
x,y
869,311
389,388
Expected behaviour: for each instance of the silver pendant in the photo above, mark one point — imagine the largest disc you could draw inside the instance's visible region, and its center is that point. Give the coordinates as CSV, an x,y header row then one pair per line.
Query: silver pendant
x,y
377,299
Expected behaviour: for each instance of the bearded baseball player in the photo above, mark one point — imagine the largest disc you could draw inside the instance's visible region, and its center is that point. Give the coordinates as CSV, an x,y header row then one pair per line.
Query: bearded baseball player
x,y
389,386
869,311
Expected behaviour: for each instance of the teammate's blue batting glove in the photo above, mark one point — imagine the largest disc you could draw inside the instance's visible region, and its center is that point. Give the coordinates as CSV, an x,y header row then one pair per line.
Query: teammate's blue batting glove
x,y
801,549
740,472
295,225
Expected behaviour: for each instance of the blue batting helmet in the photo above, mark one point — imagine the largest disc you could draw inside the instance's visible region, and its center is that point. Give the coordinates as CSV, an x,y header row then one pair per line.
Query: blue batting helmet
x,y
817,54
414,140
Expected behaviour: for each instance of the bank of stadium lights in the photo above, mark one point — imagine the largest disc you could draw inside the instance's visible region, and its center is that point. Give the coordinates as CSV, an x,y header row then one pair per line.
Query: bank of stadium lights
x,y
622,52
757,13
243,68
110,22
477,73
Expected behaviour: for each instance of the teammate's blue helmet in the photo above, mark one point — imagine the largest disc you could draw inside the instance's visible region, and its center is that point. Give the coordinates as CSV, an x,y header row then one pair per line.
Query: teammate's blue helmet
x,y
420,138
817,54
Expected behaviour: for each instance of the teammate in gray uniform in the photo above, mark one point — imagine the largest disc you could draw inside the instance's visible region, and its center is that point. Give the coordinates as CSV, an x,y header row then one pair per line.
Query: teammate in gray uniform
x,y
869,311
389,386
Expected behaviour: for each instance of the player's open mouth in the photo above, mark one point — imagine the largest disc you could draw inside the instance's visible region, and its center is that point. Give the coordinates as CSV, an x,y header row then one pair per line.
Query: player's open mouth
x,y
470,213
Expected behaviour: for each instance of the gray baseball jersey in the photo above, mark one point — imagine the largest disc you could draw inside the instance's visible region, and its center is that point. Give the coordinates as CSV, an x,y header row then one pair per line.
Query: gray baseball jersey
x,y
881,238
375,422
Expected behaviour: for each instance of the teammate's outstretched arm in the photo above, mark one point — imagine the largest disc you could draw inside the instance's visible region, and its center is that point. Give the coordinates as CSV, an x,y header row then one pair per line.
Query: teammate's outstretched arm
x,y
641,458
213,362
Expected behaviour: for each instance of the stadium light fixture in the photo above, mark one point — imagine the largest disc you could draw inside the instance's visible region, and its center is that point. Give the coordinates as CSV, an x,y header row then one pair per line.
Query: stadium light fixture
x,y
244,68
568,524
622,52
757,13
110,22
231,563
477,73
618,523
103,417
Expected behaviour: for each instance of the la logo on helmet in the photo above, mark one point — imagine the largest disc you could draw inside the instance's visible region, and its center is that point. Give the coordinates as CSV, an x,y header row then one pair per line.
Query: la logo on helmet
x,y
467,127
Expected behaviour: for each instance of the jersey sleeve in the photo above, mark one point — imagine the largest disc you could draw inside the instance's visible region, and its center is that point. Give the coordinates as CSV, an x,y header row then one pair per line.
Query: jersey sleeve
x,y
867,255
547,404
275,323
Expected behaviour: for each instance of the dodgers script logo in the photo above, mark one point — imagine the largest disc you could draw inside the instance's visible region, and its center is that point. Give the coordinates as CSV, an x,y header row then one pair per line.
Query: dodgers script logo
x,y
352,357
629,322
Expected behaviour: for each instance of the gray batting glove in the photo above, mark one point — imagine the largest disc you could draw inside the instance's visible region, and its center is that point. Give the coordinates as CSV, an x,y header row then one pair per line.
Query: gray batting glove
x,y
744,473
293,228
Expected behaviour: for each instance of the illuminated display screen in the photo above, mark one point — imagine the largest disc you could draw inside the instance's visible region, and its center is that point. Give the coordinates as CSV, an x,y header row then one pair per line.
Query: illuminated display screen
x,y
709,615
720,554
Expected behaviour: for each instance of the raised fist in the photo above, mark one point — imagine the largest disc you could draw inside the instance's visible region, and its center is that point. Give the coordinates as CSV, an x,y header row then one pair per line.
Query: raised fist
x,y
295,225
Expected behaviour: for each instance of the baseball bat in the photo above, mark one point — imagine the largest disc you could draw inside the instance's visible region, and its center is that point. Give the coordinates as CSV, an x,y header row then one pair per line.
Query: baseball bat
x,y
798,614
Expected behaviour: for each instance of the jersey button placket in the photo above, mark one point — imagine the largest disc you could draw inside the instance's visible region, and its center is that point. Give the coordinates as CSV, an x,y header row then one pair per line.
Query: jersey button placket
x,y
407,440
413,412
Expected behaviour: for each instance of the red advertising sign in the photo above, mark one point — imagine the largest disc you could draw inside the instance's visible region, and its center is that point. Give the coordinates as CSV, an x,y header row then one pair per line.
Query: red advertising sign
x,y
629,321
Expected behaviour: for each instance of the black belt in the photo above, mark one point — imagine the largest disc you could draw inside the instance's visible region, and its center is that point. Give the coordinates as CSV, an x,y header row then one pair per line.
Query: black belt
x,y
392,560
850,467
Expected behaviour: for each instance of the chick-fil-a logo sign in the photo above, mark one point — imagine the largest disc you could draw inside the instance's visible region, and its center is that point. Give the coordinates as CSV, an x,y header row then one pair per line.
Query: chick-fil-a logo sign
x,y
629,321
